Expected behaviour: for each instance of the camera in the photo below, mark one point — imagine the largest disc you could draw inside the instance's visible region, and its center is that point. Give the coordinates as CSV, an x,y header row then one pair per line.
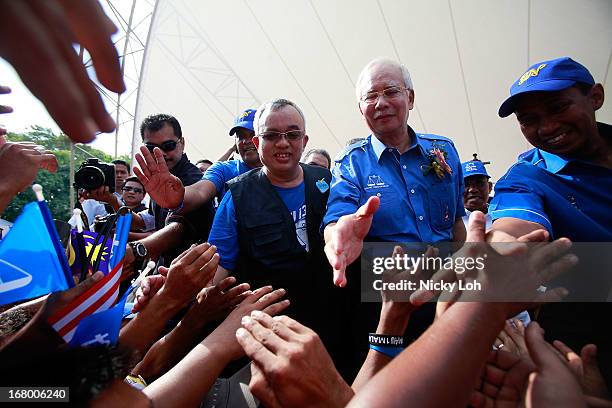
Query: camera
x,y
93,174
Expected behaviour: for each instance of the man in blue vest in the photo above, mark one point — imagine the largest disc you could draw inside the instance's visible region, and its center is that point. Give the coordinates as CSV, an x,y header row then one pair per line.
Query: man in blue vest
x,y
267,227
563,185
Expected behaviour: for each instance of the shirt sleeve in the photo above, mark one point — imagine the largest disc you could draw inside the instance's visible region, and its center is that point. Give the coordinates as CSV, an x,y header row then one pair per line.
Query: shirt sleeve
x,y
224,233
148,219
216,175
344,194
515,198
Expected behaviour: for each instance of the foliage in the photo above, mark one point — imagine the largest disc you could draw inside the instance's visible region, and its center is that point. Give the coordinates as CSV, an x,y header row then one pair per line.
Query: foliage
x,y
56,186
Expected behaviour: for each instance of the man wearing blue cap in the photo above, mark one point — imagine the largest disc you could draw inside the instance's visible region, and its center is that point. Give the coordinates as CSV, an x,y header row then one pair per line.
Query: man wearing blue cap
x,y
563,185
169,192
477,190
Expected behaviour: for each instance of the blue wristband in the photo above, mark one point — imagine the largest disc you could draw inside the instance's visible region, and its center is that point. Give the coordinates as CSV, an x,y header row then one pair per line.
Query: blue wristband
x,y
180,207
387,351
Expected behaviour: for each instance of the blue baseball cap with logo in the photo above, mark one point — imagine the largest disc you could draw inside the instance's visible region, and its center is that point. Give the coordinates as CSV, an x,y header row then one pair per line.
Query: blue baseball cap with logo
x,y
553,75
474,168
244,120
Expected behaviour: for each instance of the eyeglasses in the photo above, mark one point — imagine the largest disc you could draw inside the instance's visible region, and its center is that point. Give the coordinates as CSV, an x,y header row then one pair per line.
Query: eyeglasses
x,y
291,135
392,92
134,189
167,146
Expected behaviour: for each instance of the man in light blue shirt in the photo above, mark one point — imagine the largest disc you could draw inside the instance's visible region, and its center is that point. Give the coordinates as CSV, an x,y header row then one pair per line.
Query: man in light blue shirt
x,y
397,185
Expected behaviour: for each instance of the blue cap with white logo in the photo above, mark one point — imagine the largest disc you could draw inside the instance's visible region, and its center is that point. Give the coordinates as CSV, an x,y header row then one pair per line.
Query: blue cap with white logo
x,y
550,76
244,120
474,168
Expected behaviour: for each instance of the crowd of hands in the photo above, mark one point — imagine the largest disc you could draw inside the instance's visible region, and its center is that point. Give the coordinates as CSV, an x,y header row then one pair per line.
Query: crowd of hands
x,y
452,363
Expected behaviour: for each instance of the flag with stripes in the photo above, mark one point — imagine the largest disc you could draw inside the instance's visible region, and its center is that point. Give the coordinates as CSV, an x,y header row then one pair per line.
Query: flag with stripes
x,y
99,298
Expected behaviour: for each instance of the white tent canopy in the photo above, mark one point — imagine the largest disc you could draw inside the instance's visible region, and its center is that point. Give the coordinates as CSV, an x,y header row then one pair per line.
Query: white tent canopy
x,y
206,61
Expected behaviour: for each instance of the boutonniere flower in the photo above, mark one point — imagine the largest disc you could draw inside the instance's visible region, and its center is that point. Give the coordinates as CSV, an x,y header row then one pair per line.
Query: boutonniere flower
x,y
438,164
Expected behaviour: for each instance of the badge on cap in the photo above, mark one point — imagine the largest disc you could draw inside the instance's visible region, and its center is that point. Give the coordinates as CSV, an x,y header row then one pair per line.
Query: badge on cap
x,y
322,185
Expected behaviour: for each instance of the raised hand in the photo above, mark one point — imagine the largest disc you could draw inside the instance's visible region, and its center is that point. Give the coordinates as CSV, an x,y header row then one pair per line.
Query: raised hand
x,y
344,240
164,188
585,368
49,66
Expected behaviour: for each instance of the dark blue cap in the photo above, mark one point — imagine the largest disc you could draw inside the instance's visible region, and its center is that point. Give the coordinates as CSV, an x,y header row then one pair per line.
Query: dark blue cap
x,y
474,168
244,120
553,75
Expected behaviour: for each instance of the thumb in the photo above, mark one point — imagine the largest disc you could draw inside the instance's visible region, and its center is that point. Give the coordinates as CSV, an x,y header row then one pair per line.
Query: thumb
x,y
476,227
369,208
163,271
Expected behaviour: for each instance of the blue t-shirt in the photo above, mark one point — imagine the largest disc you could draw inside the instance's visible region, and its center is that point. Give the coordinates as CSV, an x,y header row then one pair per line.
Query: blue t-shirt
x,y
224,232
570,198
416,205
223,171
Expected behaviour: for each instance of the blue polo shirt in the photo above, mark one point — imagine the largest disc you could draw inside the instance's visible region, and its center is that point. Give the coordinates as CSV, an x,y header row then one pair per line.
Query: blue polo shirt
x,y
569,197
415,204
223,171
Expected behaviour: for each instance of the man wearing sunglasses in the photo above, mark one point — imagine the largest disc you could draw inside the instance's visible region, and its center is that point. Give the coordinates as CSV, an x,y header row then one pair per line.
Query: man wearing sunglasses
x,y
169,192
173,232
133,193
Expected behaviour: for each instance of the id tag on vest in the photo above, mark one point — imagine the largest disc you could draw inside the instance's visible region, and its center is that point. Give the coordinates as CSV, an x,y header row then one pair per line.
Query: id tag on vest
x,y
322,185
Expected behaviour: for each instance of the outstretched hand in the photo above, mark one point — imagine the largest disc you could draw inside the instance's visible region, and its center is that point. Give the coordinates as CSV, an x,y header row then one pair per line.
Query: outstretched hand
x,y
344,240
48,65
164,188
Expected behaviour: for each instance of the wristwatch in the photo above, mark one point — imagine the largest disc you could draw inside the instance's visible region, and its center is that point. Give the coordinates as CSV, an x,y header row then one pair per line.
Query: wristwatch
x,y
139,250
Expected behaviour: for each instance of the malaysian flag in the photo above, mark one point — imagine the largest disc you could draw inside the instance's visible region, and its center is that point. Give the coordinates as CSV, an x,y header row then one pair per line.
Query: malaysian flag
x,y
99,298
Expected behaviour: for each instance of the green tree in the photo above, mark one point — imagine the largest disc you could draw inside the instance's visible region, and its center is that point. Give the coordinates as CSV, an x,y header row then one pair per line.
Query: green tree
x,y
56,186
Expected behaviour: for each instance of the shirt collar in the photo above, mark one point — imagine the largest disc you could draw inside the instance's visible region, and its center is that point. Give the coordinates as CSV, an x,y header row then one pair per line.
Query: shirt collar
x,y
379,147
553,162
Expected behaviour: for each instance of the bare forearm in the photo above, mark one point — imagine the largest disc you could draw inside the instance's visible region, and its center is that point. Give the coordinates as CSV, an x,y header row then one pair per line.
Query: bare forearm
x,y
198,194
147,326
137,222
188,382
438,360
391,323
167,351
166,238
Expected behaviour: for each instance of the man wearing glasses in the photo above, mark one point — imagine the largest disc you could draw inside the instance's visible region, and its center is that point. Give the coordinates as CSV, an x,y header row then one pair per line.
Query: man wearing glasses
x,y
267,226
133,193
173,232
397,185
167,190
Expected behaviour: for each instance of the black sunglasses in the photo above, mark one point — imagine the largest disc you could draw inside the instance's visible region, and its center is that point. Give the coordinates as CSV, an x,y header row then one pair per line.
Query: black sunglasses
x,y
167,146
134,189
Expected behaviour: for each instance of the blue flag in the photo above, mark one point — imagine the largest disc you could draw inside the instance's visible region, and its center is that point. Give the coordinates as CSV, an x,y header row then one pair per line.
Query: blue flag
x,y
29,264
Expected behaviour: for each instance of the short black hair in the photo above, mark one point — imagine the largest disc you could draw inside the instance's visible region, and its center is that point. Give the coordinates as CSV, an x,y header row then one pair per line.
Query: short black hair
x,y
136,180
204,161
322,152
153,123
122,162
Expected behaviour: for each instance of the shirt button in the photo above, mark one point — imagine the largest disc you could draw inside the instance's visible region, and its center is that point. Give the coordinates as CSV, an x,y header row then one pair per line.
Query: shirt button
x,y
404,166
412,191
420,218
377,194
391,150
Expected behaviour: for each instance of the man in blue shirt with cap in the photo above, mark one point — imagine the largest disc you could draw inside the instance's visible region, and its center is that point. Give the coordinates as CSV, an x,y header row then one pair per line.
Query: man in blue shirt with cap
x,y
563,185
397,185
477,190
170,193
